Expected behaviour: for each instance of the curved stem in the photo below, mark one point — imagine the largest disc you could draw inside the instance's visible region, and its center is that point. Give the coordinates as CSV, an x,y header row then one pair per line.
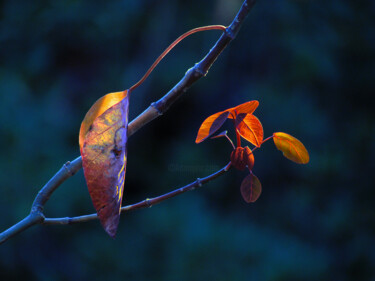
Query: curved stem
x,y
224,134
171,46
267,139
230,141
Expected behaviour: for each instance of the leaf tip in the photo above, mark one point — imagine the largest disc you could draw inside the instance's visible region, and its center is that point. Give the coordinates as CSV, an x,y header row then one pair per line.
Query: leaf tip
x,y
109,218
198,140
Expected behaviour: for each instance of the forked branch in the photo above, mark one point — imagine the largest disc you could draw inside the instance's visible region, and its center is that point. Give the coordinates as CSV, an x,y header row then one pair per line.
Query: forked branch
x,y
156,109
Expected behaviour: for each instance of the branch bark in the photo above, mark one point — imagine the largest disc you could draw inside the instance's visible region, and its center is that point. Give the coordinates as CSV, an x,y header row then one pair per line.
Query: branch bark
x,y
156,109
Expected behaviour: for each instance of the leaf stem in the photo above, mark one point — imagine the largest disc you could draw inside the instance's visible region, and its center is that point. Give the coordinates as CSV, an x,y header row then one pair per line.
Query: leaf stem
x,y
171,46
238,138
224,134
267,139
228,138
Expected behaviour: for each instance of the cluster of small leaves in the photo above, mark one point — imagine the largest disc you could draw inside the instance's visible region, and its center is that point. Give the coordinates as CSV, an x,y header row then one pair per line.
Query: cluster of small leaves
x,y
250,128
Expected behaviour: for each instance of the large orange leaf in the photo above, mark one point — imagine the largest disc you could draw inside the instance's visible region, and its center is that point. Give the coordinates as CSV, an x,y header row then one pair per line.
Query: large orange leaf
x,y
291,147
251,188
211,125
250,128
103,139
247,108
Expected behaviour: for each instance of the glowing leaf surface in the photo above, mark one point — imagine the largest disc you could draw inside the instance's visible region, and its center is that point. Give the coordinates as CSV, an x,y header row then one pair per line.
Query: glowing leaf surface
x,y
211,125
103,140
98,108
250,128
246,108
291,148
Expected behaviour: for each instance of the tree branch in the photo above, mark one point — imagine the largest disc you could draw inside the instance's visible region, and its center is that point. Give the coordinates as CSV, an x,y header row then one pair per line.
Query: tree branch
x,y
156,109
22,225
199,70
147,203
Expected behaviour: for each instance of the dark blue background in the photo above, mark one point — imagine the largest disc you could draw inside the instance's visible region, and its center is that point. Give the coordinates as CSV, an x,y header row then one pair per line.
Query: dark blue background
x,y
309,63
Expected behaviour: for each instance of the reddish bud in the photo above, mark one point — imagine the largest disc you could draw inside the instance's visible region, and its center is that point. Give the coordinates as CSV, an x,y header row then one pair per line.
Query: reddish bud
x,y
249,158
242,157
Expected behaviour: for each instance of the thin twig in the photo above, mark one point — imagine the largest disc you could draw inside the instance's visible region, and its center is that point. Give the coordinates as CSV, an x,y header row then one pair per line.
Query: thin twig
x,y
156,109
147,203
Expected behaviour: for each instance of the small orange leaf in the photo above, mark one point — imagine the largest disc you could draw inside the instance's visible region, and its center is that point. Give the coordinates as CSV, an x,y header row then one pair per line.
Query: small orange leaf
x,y
247,108
291,148
251,188
103,140
211,125
250,128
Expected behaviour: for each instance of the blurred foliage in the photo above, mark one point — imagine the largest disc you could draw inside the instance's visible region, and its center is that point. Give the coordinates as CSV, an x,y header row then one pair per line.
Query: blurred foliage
x,y
309,63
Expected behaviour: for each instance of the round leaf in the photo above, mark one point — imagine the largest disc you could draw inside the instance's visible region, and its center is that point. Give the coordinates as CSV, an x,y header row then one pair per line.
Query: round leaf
x,y
291,148
251,188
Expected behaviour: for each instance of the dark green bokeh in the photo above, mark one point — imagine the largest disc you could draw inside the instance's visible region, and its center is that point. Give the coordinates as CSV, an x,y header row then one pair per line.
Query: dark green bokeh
x,y
309,63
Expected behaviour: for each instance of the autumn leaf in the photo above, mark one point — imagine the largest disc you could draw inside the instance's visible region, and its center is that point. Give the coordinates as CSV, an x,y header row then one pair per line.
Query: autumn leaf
x,y
247,108
250,128
251,188
215,121
242,157
291,148
102,140
211,125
